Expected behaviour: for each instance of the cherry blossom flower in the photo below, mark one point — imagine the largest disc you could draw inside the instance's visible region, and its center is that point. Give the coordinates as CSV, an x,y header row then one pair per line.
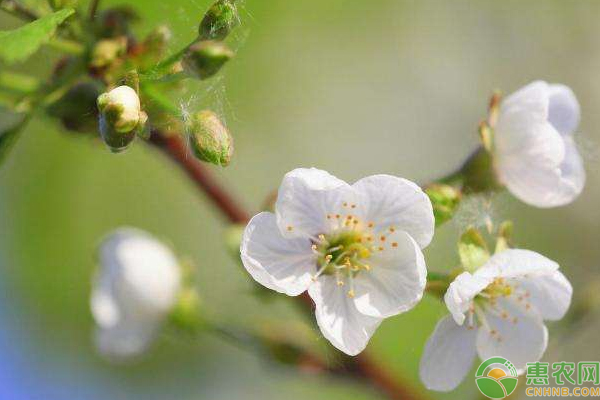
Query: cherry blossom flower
x,y
535,155
355,248
135,289
499,310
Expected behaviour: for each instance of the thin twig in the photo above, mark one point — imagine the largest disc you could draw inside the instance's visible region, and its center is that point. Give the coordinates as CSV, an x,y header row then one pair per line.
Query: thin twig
x,y
93,9
17,9
362,366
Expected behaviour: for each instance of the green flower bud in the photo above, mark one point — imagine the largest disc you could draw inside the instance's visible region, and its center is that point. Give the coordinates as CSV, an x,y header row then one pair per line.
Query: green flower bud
x,y
107,51
204,59
185,315
219,20
445,200
77,108
209,138
473,250
233,238
120,117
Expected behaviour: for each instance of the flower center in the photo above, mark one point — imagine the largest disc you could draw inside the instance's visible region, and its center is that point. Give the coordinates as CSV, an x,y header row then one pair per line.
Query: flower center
x,y
498,288
486,303
345,252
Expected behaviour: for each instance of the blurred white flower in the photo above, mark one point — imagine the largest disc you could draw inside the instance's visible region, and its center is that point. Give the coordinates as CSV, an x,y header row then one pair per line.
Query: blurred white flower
x,y
356,248
499,310
535,155
134,291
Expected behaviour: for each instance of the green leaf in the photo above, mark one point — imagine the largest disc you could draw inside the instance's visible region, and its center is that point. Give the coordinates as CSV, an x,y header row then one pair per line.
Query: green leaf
x,y
18,44
472,250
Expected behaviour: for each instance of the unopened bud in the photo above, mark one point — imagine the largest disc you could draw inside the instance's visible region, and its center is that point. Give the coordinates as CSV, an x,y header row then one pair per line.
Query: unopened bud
x,y
204,59
209,138
120,117
219,20
445,200
107,51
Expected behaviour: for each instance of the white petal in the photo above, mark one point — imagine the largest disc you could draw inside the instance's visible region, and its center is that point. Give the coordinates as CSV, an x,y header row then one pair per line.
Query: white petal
x,y
305,197
138,275
104,308
536,163
396,280
520,342
532,98
517,263
134,290
339,320
127,339
389,201
572,174
461,293
564,111
528,155
448,355
549,294
282,264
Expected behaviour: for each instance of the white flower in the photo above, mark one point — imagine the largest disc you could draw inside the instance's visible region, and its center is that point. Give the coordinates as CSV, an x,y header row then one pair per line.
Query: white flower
x,y
499,310
134,290
356,248
534,152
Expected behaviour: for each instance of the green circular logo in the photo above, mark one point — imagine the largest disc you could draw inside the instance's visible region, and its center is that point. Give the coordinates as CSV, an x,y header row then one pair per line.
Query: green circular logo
x,y
496,378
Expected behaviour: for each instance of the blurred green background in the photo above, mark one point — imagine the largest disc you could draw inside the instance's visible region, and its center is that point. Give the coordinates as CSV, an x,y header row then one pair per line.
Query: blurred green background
x,y
355,88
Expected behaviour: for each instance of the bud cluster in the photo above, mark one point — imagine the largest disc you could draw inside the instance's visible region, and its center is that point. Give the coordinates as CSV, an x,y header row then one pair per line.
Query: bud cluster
x,y
207,56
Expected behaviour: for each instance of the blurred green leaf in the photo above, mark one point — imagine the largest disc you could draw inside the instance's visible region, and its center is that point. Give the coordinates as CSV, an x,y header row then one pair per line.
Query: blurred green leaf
x,y
18,44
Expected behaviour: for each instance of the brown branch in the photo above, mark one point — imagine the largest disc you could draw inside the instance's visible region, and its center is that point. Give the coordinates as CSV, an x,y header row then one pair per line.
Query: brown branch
x,y
176,148
362,366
